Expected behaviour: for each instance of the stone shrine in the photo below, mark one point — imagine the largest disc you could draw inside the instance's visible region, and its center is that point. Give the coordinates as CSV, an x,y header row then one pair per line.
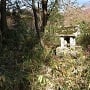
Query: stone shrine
x,y
67,41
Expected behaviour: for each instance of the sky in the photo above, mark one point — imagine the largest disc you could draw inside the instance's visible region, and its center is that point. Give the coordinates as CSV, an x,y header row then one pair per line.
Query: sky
x,y
81,2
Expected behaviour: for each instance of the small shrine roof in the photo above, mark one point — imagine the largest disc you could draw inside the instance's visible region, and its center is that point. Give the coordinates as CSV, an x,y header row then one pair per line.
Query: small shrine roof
x,y
65,35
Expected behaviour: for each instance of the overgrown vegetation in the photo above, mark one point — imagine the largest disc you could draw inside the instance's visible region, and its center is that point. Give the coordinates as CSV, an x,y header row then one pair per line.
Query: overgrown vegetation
x,y
26,64
84,38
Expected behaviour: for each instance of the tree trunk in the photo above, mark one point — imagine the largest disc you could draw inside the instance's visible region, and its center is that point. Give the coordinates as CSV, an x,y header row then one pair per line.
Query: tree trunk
x,y
3,17
44,12
35,18
3,23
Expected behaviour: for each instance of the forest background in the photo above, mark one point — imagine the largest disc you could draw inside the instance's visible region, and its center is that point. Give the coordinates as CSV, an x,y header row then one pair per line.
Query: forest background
x,y
28,43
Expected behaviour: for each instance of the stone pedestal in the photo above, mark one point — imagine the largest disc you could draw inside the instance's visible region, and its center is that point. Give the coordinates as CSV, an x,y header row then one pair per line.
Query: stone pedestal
x,y
72,42
62,42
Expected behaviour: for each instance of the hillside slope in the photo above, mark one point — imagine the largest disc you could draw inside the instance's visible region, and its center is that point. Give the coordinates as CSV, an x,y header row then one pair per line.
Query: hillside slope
x,y
76,15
